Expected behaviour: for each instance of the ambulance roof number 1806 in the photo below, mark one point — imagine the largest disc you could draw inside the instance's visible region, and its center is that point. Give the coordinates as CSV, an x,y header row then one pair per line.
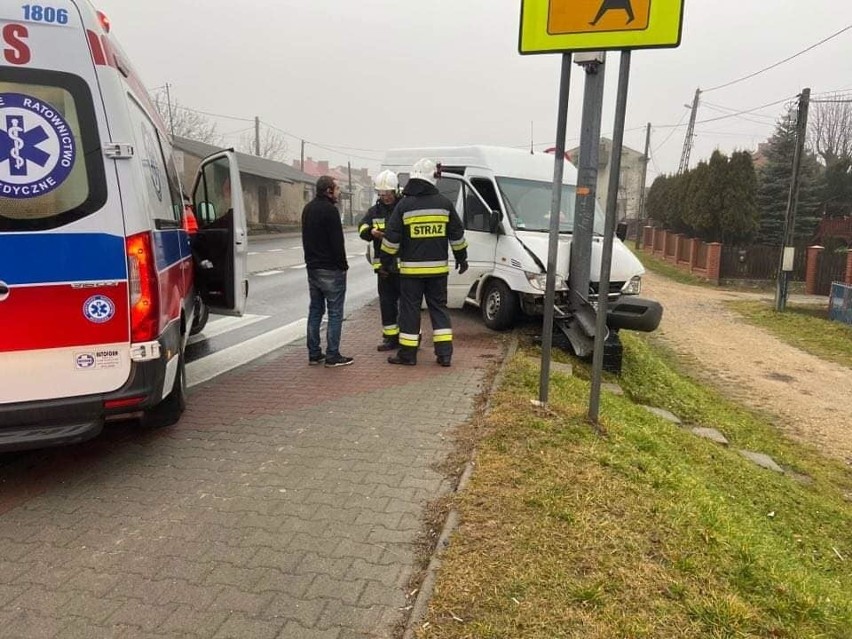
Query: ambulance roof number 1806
x,y
44,13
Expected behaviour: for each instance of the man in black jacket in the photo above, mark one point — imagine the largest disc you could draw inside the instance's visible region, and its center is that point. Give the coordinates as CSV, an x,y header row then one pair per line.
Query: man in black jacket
x,y
422,225
325,257
372,229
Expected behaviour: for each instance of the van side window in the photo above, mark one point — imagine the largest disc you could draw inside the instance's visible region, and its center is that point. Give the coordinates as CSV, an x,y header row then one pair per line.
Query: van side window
x,y
476,216
213,195
488,191
156,187
175,191
449,189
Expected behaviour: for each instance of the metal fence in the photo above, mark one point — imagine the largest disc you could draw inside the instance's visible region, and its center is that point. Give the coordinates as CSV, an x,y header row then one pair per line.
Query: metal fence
x,y
759,262
832,268
840,303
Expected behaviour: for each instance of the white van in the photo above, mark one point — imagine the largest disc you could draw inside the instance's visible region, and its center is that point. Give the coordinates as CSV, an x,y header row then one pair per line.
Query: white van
x,y
504,197
99,278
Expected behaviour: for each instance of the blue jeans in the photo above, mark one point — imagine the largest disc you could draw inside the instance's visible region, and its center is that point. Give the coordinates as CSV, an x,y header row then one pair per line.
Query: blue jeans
x,y
327,289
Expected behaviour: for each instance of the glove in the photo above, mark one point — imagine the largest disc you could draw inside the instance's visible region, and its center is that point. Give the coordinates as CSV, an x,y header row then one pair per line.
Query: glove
x,y
461,266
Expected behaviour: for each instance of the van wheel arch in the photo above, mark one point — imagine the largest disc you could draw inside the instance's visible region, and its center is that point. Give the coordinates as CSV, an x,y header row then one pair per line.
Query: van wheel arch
x,y
499,304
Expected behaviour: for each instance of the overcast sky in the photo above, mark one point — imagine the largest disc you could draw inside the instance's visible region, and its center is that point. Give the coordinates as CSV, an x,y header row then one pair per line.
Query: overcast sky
x,y
377,74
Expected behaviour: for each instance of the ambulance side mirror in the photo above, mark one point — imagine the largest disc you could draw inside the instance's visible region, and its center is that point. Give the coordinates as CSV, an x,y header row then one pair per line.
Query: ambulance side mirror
x,y
496,218
621,231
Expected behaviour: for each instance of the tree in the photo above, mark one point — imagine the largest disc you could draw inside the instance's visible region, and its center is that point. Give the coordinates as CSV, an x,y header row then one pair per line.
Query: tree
x,y
738,219
830,129
273,146
774,186
186,123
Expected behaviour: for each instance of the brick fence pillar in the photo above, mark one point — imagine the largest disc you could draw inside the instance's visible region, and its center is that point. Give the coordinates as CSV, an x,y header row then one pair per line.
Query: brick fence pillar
x,y
714,262
694,245
812,268
848,279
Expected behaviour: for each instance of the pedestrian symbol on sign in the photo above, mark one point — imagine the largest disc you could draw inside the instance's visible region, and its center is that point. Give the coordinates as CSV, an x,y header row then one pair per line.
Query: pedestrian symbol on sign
x,y
598,16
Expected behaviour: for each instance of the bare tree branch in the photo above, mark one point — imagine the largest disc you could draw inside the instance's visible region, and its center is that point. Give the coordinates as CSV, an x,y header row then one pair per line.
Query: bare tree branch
x,y
186,123
273,145
831,131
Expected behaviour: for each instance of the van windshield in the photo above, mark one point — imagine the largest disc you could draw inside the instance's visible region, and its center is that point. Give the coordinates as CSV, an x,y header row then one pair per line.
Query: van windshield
x,y
528,205
51,166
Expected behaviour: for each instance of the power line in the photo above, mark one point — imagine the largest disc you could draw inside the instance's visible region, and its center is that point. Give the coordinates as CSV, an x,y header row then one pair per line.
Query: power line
x,y
778,64
723,109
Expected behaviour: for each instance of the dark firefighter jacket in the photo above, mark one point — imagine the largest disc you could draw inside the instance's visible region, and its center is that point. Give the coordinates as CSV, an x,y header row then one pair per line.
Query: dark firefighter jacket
x,y
376,218
422,225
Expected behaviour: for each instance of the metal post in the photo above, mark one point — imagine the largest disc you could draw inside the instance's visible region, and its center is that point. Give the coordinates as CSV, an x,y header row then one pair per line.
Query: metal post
x,y
257,136
349,166
587,186
171,115
553,246
609,232
640,216
793,199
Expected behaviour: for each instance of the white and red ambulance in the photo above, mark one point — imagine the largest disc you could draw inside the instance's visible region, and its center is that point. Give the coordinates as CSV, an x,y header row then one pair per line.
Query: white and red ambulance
x,y
99,281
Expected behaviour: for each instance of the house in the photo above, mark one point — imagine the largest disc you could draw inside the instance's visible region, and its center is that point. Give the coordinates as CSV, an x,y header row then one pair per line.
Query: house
x,y
355,200
630,181
274,192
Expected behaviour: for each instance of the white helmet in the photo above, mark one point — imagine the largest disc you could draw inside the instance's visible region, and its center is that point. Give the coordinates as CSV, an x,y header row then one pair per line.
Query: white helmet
x,y
386,181
424,170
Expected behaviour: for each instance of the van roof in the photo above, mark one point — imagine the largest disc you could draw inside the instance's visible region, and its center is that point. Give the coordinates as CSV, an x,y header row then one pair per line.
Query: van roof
x,y
503,161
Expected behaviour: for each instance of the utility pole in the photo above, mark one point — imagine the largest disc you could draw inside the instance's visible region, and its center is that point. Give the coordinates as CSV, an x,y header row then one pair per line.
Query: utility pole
x,y
640,215
257,136
532,137
349,166
788,254
690,134
302,162
171,116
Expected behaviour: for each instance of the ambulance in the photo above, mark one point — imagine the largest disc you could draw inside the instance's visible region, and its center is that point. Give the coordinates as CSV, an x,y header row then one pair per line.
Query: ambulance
x,y
100,280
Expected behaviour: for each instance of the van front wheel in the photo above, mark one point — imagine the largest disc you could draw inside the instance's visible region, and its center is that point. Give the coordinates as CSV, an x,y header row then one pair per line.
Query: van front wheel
x,y
499,306
168,411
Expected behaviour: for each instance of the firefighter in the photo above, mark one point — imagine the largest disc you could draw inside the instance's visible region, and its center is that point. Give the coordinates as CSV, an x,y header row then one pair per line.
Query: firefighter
x,y
417,234
372,229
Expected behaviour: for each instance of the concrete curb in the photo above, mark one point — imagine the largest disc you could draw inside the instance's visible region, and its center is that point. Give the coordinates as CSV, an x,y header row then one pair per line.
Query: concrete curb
x,y
424,596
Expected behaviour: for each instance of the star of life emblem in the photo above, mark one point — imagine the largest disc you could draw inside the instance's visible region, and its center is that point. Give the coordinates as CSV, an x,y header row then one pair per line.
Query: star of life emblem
x,y
37,147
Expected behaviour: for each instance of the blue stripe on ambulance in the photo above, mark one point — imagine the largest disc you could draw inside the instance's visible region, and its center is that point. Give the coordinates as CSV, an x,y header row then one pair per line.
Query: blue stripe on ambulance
x,y
170,247
50,258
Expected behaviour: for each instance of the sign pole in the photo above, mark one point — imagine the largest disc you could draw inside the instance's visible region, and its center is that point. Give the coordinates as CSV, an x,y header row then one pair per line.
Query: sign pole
x,y
555,208
609,232
587,180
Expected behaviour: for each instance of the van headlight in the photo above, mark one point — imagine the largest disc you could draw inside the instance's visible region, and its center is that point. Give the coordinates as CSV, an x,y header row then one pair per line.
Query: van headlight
x,y
539,281
633,287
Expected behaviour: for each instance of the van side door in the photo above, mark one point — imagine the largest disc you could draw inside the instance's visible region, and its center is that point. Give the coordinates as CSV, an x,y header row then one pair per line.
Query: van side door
x,y
480,231
220,248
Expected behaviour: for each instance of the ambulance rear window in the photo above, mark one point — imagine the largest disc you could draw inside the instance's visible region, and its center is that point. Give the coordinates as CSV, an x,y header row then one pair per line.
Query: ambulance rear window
x,y
51,164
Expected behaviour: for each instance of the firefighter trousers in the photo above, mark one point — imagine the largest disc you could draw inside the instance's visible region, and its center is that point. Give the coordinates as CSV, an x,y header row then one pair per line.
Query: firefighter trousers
x,y
389,306
412,292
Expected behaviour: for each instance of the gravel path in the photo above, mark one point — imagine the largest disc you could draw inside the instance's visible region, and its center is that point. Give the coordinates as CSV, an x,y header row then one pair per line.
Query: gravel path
x,y
809,395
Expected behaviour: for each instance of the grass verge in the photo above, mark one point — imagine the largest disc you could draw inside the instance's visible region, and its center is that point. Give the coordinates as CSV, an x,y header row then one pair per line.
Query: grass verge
x,y
805,327
647,531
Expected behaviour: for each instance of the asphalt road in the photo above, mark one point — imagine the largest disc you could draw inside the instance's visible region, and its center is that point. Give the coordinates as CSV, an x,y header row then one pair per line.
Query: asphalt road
x,y
277,306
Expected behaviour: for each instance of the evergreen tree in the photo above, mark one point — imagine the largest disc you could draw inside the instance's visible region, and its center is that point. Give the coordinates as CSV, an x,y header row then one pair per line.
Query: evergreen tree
x,y
774,186
702,199
739,216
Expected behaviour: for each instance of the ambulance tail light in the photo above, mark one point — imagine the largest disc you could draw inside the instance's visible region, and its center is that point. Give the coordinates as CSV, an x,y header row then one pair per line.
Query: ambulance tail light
x,y
104,21
143,289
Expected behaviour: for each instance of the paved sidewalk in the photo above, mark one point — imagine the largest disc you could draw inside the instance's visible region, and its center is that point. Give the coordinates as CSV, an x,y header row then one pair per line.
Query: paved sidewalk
x,y
284,504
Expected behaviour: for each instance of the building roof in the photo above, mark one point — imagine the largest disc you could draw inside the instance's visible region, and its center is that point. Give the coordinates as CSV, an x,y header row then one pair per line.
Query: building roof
x,y
249,164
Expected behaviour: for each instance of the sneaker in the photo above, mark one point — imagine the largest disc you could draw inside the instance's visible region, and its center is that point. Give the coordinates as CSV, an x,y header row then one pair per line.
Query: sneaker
x,y
444,361
396,359
387,345
316,360
340,360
